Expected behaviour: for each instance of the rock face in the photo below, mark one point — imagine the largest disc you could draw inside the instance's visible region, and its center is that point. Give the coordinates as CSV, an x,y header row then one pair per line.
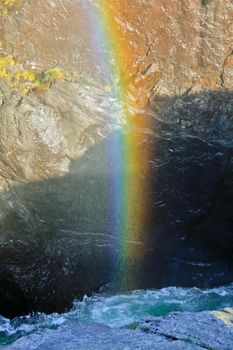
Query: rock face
x,y
192,190
188,42
178,331
55,243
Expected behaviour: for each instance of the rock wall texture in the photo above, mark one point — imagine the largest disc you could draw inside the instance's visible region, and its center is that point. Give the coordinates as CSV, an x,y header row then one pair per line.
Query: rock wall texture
x,y
188,43
182,47
54,130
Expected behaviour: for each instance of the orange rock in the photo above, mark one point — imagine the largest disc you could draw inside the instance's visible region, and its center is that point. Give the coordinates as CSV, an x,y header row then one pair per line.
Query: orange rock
x,y
188,42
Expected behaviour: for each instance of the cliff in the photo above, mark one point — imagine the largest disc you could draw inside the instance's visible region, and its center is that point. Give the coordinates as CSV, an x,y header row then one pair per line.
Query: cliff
x,y
55,127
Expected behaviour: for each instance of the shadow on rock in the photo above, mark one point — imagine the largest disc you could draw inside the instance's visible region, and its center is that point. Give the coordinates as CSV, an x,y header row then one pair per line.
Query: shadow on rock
x,y
56,240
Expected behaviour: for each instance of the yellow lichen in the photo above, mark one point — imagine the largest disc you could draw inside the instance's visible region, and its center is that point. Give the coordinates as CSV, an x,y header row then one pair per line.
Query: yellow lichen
x,y
44,79
24,75
24,78
54,74
7,5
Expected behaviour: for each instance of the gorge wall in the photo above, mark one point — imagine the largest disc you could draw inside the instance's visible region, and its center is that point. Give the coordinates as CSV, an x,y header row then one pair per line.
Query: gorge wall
x,y
54,130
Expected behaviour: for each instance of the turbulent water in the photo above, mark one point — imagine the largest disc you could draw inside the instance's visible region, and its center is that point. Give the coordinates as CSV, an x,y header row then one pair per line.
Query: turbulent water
x,y
121,309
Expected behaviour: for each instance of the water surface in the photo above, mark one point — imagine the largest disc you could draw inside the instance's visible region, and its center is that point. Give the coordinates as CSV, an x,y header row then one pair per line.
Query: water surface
x,y
120,309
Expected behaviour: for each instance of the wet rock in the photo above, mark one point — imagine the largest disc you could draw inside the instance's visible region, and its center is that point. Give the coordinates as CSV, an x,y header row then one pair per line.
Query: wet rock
x,y
202,329
207,115
178,331
56,243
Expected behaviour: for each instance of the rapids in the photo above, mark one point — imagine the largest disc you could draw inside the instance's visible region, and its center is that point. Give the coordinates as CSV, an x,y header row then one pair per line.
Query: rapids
x,y
119,310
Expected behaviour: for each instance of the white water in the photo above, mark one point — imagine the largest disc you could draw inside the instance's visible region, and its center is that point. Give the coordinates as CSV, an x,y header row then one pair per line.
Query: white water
x,y
121,309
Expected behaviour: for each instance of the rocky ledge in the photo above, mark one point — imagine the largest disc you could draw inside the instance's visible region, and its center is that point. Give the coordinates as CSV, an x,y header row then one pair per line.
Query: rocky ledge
x,y
177,331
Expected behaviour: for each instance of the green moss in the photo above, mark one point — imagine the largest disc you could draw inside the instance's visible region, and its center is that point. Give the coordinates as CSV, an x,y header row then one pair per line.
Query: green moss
x,y
145,329
133,326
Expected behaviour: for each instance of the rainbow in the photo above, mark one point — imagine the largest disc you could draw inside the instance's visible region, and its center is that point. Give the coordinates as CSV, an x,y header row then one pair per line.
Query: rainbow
x,y
127,151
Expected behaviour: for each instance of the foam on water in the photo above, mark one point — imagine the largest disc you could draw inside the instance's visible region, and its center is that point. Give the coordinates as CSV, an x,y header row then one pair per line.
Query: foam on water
x,y
121,309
